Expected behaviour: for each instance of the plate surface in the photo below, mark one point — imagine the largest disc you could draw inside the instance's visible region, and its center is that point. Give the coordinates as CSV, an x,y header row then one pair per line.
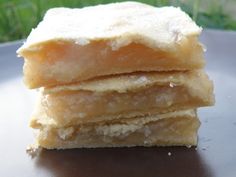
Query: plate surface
x,y
215,155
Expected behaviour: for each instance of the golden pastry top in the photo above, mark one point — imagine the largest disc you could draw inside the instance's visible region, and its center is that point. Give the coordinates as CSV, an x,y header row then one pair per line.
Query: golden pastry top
x,y
117,23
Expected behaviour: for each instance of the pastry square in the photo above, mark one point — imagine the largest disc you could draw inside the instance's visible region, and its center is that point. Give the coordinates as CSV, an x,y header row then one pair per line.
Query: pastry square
x,y
175,128
72,45
122,96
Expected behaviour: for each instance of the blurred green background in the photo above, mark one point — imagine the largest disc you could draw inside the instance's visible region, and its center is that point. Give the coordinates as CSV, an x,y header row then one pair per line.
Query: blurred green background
x,y
18,17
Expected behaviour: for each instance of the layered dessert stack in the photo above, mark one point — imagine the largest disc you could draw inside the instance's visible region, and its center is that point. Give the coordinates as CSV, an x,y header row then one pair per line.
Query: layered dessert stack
x,y
122,74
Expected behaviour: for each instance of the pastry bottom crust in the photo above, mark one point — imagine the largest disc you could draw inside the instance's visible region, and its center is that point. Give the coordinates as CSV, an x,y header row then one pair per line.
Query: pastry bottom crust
x,y
171,129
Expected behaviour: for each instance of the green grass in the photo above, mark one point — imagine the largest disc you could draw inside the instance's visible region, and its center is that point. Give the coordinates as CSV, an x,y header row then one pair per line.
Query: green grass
x,y
18,17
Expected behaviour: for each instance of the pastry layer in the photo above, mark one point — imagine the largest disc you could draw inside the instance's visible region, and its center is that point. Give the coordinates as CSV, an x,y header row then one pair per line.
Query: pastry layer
x,y
176,128
123,96
72,45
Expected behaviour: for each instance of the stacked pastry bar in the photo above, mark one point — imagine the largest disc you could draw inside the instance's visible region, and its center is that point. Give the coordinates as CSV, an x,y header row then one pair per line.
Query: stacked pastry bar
x,y
122,74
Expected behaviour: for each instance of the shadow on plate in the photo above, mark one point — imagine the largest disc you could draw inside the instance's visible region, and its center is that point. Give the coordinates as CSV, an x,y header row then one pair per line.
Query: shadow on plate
x,y
122,162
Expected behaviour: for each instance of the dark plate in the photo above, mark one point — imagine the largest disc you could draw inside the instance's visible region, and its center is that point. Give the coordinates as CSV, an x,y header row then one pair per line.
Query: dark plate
x,y
214,156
